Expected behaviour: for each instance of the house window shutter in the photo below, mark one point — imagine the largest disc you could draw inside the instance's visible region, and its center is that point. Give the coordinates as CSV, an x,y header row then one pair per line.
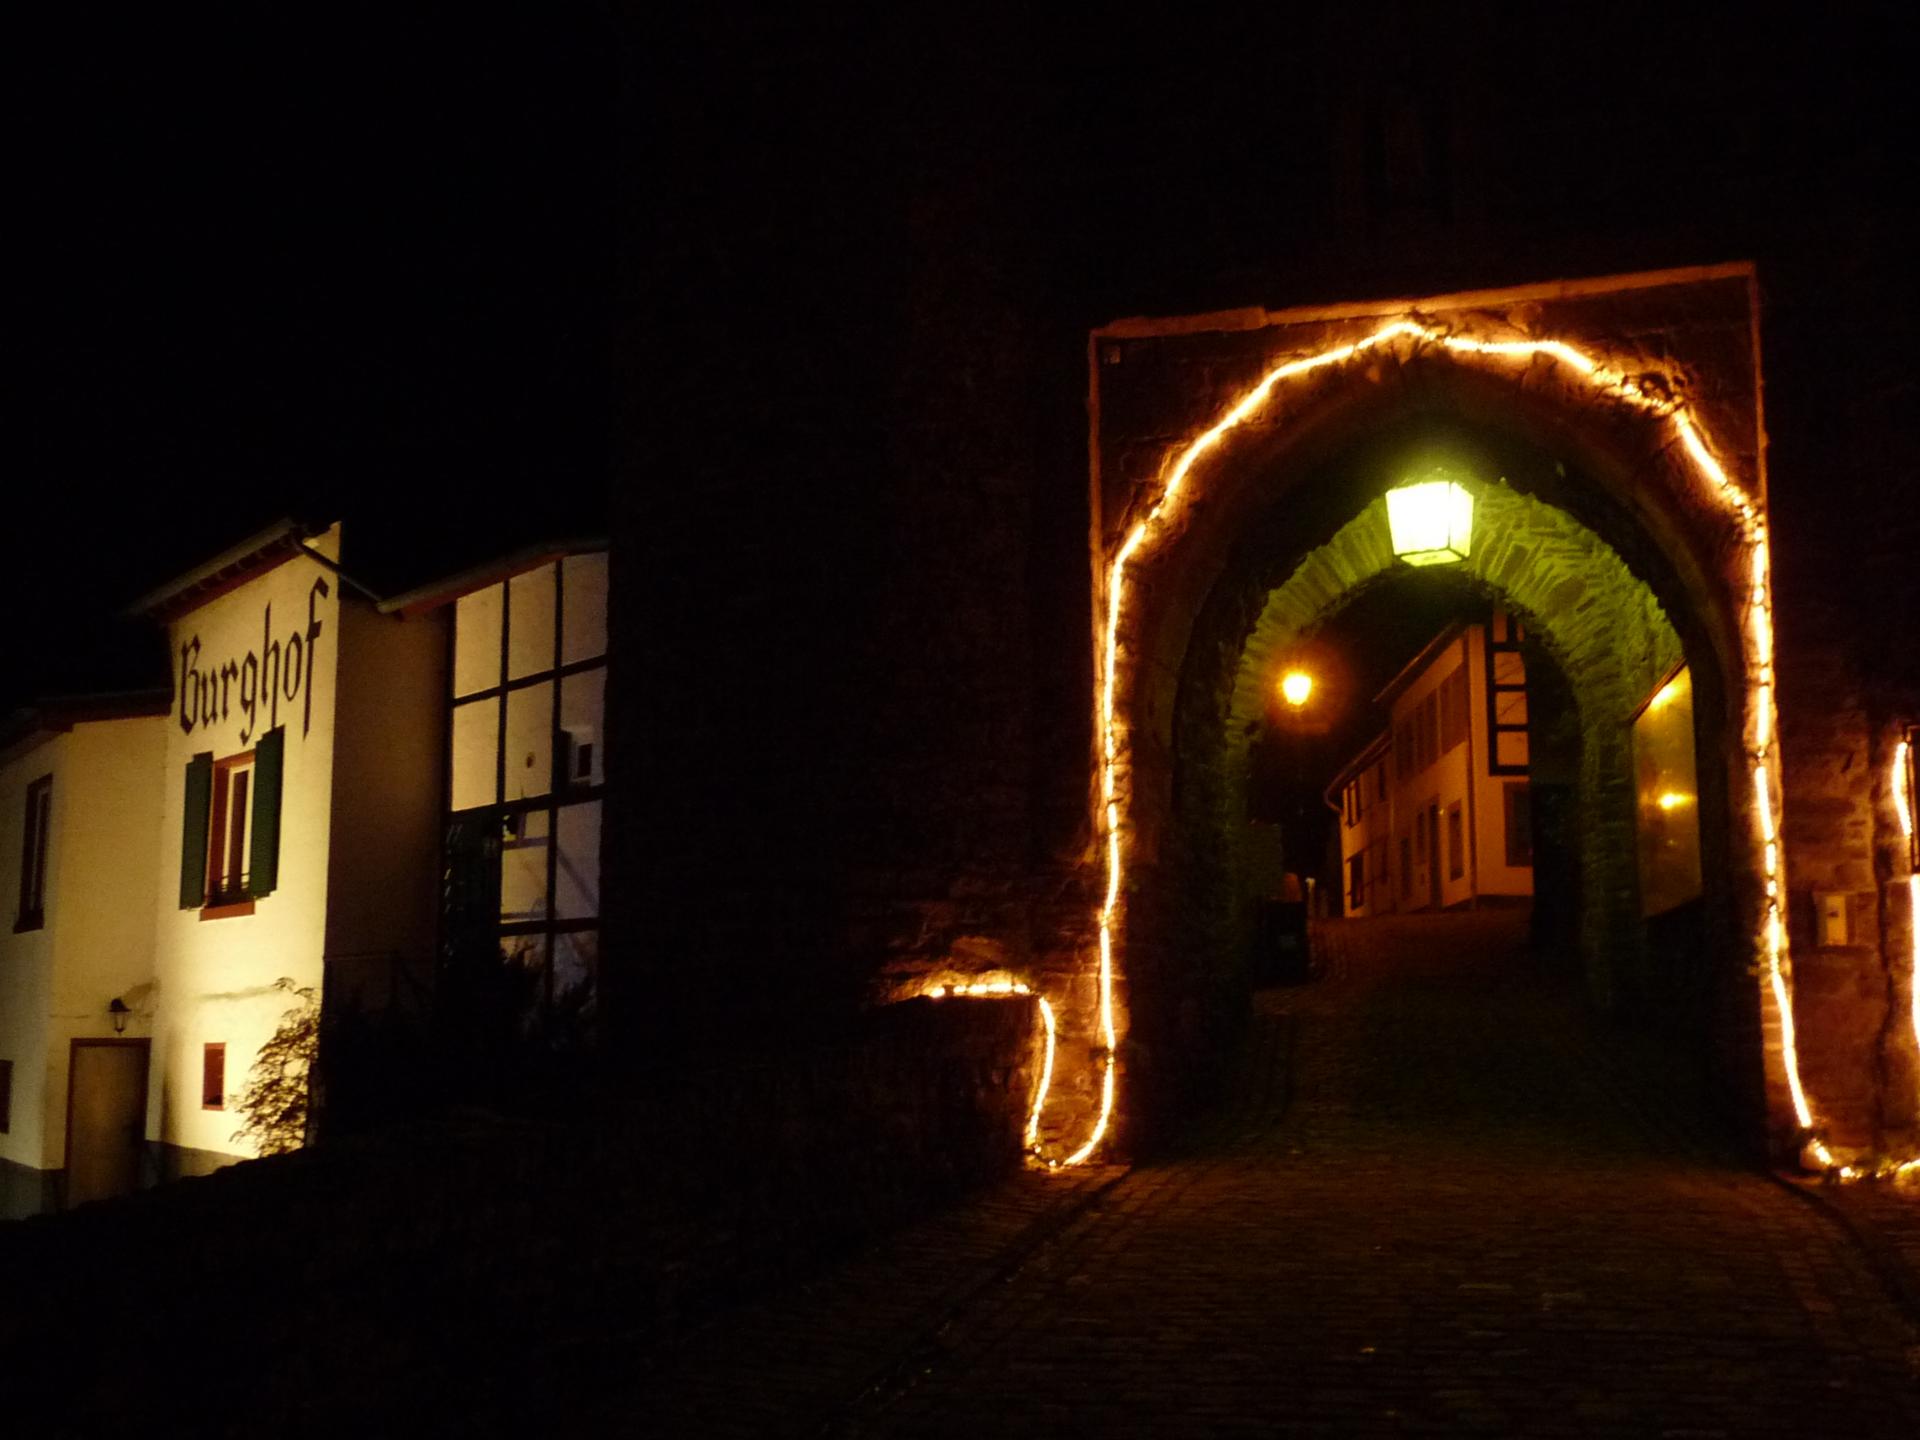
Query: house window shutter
x,y
193,832
263,856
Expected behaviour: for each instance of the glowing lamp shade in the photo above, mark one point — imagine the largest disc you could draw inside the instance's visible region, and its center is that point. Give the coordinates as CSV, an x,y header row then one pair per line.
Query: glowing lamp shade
x,y
1432,522
1295,687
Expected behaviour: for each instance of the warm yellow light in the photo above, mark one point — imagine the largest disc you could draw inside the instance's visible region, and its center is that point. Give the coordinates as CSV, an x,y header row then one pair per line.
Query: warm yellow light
x,y
1665,694
1673,800
1295,687
1432,522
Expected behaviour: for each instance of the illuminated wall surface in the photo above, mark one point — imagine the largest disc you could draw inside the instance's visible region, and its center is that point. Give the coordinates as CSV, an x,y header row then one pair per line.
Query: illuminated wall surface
x,y
218,955
94,939
1666,798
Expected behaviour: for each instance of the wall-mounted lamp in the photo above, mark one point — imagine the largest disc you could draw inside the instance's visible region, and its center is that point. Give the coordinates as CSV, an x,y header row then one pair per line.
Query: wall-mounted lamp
x,y
1431,521
117,1009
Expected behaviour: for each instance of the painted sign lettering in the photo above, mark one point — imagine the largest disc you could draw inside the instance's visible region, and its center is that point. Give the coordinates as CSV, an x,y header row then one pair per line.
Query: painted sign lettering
x,y
258,681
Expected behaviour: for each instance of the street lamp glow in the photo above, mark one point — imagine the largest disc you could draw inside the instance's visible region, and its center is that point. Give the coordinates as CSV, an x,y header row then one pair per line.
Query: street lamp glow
x,y
1295,687
1432,522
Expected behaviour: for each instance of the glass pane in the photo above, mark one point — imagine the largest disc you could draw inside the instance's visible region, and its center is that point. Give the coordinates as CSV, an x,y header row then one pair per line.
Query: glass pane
x,y
576,881
1510,747
576,971
523,867
582,699
476,640
1667,792
526,970
476,751
530,741
584,608
530,623
1509,669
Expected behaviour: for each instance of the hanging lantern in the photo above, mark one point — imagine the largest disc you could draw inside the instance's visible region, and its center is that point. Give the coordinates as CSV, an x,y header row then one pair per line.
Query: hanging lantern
x,y
1431,521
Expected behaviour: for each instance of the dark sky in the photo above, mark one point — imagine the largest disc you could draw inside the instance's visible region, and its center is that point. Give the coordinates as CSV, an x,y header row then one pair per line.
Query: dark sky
x,y
330,262
356,261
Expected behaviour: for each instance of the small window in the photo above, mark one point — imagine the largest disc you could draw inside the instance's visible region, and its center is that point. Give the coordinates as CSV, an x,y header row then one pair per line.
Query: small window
x,y
213,1076
1406,867
1519,827
6,1096
33,855
1357,882
1456,843
231,830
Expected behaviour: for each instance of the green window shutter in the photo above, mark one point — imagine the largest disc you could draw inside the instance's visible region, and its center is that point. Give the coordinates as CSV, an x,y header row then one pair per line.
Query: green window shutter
x,y
193,831
263,855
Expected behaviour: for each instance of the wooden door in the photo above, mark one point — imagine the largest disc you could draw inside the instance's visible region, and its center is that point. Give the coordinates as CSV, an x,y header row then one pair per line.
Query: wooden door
x,y
106,1118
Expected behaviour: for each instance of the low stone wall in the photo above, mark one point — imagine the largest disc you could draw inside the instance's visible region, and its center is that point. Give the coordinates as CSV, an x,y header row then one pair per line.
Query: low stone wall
x,y
431,1253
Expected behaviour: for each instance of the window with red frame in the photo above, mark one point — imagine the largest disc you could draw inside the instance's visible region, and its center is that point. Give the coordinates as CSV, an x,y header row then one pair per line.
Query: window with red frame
x,y
213,1076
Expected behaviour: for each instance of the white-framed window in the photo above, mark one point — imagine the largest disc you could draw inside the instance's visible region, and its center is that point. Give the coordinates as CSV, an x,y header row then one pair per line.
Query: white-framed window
x,y
230,831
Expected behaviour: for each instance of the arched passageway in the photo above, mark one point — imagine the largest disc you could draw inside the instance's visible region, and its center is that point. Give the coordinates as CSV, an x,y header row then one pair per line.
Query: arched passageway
x,y
1603,628
1209,435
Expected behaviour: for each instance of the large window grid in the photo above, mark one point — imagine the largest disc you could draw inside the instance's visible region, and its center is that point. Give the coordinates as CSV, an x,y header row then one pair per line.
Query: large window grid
x,y
528,774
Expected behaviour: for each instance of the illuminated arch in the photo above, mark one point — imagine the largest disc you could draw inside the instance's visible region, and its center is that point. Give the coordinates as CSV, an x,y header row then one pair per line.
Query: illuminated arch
x,y
1662,401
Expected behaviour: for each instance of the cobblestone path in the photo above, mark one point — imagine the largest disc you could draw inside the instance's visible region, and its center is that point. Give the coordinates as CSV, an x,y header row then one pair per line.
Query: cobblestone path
x,y
1442,1205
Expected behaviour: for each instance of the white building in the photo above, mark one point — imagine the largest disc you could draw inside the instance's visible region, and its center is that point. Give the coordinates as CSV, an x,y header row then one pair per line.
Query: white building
x,y
198,870
1434,812
79,827
300,822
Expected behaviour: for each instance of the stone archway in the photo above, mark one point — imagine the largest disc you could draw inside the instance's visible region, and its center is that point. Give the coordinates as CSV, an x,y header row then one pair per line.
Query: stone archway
x,y
1200,416
1606,632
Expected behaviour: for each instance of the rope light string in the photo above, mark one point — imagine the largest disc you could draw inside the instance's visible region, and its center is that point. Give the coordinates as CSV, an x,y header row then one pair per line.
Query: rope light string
x,y
1903,801
1657,398
980,989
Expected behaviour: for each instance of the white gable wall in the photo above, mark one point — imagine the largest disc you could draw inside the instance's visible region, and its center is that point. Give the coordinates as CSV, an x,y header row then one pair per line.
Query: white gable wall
x,y
216,977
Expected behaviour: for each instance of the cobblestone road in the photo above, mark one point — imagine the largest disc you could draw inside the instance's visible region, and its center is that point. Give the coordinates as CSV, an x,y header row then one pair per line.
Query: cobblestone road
x,y
1443,1204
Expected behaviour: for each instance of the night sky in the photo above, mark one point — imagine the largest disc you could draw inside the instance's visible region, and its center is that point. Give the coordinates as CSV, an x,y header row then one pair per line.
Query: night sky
x,y
358,262
337,264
